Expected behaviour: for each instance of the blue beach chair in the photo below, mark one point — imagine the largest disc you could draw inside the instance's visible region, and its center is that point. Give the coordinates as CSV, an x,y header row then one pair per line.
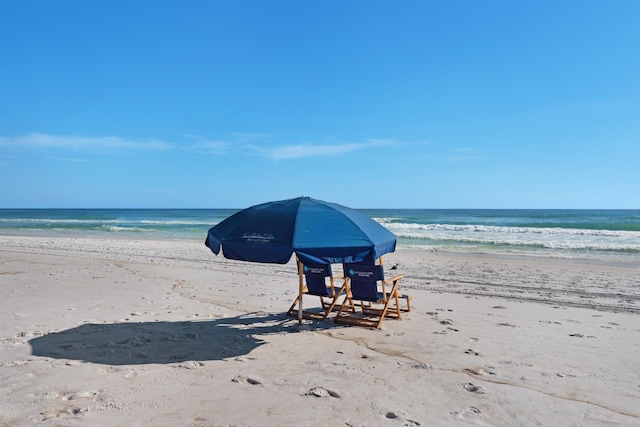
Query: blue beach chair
x,y
379,298
319,281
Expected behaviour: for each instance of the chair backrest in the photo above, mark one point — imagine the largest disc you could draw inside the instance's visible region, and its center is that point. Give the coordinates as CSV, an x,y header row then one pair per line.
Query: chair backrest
x,y
315,276
363,280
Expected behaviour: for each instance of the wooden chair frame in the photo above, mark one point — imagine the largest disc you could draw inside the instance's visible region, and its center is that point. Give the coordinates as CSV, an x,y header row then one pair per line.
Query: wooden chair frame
x,y
374,311
328,302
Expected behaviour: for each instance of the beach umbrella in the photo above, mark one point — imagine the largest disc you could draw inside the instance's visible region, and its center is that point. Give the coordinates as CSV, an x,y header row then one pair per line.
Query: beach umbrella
x,y
317,232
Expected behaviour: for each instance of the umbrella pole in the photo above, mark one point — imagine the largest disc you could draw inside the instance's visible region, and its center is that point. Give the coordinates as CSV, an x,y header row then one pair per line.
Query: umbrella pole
x,y
300,290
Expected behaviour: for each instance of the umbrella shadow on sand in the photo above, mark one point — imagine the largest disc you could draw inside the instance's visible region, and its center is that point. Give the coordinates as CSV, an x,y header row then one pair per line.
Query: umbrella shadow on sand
x,y
160,342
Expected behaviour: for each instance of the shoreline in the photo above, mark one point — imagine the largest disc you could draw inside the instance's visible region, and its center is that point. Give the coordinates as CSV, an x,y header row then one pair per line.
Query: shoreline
x,y
170,334
403,249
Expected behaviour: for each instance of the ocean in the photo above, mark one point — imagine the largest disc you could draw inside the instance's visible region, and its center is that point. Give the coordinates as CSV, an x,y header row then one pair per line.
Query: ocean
x,y
608,235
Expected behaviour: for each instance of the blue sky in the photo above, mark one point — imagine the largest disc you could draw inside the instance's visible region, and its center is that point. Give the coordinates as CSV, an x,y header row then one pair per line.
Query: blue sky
x,y
414,104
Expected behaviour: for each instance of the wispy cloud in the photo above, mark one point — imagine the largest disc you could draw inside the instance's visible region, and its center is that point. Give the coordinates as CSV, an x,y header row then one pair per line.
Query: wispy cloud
x,y
83,143
216,147
202,145
297,151
244,137
237,141
463,157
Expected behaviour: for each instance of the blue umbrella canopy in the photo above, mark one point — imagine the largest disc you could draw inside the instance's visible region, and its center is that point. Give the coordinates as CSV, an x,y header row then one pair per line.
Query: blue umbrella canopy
x,y
317,232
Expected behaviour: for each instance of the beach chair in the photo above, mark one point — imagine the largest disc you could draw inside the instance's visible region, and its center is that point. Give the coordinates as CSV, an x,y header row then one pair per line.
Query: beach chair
x,y
320,282
378,298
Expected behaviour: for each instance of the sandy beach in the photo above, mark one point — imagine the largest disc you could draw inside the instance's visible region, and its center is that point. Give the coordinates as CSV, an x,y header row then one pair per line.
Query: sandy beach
x,y
164,333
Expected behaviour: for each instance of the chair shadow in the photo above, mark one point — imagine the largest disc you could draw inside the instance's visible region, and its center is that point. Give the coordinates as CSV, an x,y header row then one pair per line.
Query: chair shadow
x,y
161,342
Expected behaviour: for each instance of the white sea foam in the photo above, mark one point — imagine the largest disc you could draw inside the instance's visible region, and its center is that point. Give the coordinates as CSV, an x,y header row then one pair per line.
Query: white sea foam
x,y
550,238
116,229
59,221
172,222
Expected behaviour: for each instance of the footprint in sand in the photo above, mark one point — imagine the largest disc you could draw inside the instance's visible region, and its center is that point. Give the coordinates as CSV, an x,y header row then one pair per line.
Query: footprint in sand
x,y
472,351
192,364
75,346
470,411
73,410
472,388
66,395
322,392
392,415
13,364
449,323
562,375
512,325
482,370
416,365
74,362
246,380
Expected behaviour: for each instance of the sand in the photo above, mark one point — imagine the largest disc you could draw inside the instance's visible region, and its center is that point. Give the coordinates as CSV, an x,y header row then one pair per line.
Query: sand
x,y
164,333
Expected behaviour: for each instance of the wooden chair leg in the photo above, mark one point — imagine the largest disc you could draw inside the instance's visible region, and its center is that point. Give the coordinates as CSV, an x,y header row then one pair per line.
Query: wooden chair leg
x,y
291,309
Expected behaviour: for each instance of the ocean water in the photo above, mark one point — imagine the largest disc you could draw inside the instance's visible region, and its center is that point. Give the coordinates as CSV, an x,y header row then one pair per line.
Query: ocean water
x,y
610,235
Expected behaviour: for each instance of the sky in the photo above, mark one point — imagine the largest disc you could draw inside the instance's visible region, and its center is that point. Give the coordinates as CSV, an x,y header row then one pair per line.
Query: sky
x,y
366,103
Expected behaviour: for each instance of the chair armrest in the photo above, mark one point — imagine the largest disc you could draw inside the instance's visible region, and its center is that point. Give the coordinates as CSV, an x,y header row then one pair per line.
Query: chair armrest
x,y
394,279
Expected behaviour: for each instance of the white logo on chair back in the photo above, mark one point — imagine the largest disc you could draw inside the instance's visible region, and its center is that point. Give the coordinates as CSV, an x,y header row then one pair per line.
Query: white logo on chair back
x,y
360,273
